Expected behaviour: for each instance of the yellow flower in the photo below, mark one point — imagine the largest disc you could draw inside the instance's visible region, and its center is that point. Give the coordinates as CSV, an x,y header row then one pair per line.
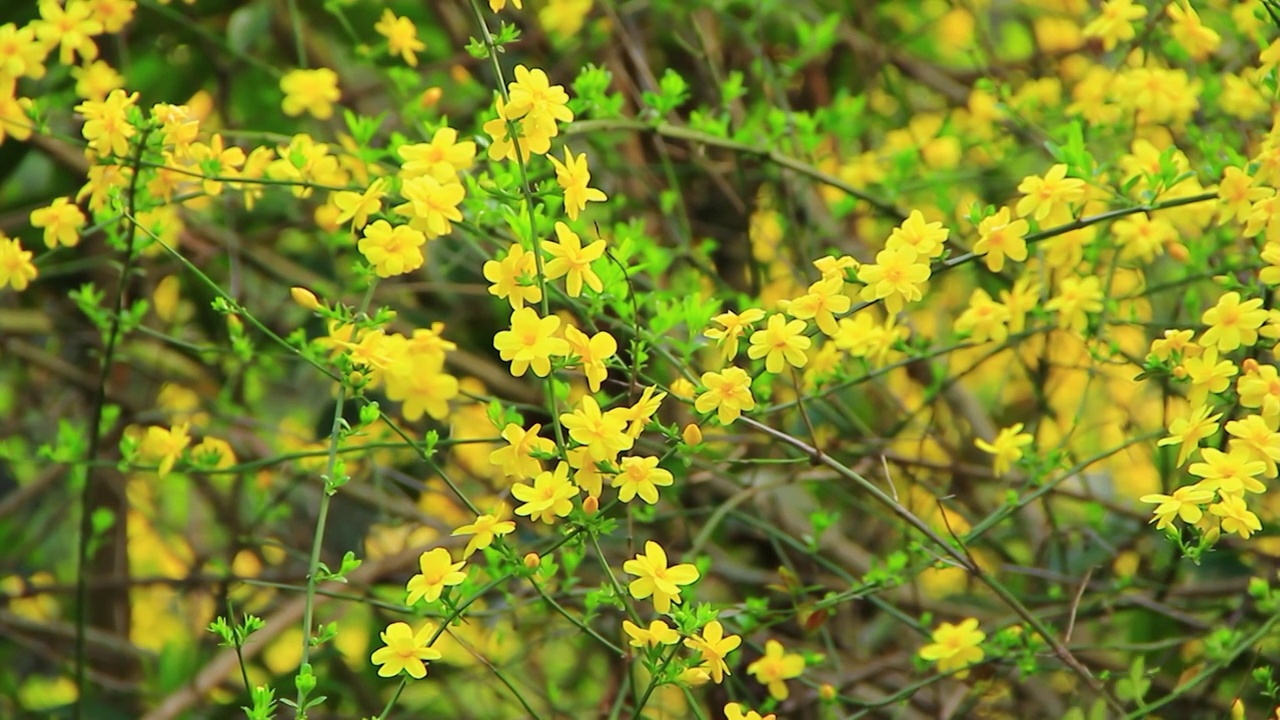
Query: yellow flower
x,y
1188,431
1115,23
998,238
497,5
423,387
484,530
516,459
926,238
529,342
71,28
1199,41
95,80
535,100
734,325
637,416
640,476
550,496
1045,197
1007,447
822,303
1184,504
658,633
404,651
1236,194
780,343
107,125
61,221
401,35
734,711
1261,441
654,578
604,433
1233,323
442,158
21,54
310,91
431,205
1207,375
392,250
358,206
955,646
164,446
895,276
514,277
1076,297
1232,473
438,571
592,352
985,319
727,392
1260,388
572,261
1236,517
572,175
714,646
775,667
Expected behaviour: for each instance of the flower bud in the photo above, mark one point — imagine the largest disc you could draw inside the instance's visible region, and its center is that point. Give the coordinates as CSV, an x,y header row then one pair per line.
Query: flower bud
x,y
1178,252
826,692
1249,365
692,434
683,389
431,96
305,298
532,560
591,505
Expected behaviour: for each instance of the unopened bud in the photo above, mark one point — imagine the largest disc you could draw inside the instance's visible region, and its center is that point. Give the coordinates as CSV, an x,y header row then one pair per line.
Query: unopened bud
x,y
692,434
235,324
683,389
532,560
1180,372
1249,365
591,505
1178,252
826,692
305,298
431,96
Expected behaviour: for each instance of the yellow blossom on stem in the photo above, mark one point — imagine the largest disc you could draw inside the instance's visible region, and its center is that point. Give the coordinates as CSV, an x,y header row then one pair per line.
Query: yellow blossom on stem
x,y
775,668
534,99
358,206
61,222
822,303
955,647
1197,39
401,35
780,343
714,646
733,325
1187,432
392,250
95,80
1260,388
734,711
658,633
638,415
514,277
604,433
1233,323
640,476
1207,375
22,54
1007,447
430,205
107,125
516,459
1184,504
1237,193
437,571
404,651
310,91
1075,299
926,238
727,392
572,261
654,578
999,237
1048,196
71,28
895,276
573,176
1115,23
1236,517
442,158
1261,441
164,446
985,319
530,342
591,352
1228,473
497,5
550,496
484,530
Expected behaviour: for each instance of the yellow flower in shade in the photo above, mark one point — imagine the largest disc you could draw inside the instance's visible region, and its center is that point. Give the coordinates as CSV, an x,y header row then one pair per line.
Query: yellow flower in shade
x,y
1115,23
164,446
1187,432
604,433
926,238
780,343
1000,238
1262,441
484,530
822,303
640,476
61,221
1197,39
1233,323
1184,504
1048,196
438,571
572,175
401,35
514,277
592,352
587,474
530,342
734,711
895,276
1260,388
714,647
732,326
955,647
1235,516
550,496
655,579
727,392
658,633
985,319
1007,447
392,250
404,651
516,459
310,91
1075,299
775,668
572,261
94,80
